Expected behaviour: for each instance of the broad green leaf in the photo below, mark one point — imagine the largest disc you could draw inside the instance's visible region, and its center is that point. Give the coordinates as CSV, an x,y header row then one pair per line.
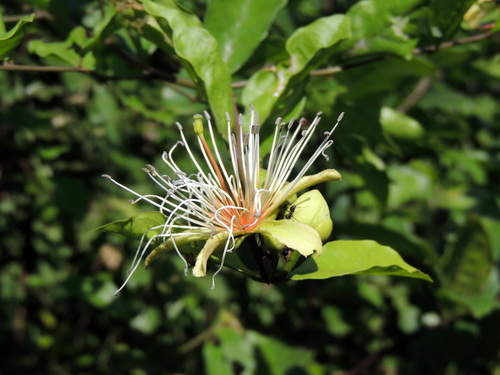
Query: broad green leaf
x,y
12,38
199,53
295,235
134,227
400,125
239,26
265,87
408,243
215,361
366,257
304,44
380,26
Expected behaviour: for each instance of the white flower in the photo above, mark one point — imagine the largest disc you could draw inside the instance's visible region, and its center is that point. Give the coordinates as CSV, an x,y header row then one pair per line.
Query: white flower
x,y
224,204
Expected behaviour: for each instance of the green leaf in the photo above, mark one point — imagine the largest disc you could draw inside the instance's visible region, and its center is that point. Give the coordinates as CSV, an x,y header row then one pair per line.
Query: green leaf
x,y
12,38
284,359
469,269
446,16
365,257
199,53
408,184
106,26
239,26
147,321
294,234
380,26
265,88
66,51
400,125
134,227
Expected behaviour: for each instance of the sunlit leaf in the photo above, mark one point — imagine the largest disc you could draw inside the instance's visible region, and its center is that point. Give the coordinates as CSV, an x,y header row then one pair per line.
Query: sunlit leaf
x,y
239,26
341,258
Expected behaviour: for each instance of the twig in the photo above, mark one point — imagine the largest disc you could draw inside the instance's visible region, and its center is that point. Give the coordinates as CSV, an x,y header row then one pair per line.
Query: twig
x,y
417,51
453,43
418,92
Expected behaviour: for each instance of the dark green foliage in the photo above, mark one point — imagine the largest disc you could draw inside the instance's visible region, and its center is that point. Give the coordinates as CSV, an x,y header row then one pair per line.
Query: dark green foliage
x,y
418,150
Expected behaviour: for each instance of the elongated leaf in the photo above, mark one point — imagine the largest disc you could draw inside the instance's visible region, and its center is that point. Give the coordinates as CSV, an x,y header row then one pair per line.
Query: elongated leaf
x,y
137,225
12,38
239,26
265,87
341,258
199,53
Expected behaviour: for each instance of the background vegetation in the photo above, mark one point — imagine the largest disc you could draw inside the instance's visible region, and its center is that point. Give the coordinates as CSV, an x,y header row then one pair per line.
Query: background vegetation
x,y
93,87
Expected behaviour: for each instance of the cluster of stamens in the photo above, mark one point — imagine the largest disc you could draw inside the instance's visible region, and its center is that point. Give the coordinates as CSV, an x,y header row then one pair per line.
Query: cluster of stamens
x,y
217,199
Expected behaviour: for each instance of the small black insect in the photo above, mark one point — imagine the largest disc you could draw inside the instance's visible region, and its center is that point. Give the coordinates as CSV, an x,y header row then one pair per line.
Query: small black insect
x,y
291,211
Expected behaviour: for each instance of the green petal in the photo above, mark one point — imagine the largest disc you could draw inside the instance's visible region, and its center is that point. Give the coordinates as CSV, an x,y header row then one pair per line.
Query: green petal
x,y
307,181
294,234
200,267
356,257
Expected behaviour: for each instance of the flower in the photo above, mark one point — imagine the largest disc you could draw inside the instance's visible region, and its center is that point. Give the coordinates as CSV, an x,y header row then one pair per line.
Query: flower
x,y
221,204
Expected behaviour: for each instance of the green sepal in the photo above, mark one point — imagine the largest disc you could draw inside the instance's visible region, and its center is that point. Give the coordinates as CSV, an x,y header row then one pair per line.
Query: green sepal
x,y
294,234
341,258
303,183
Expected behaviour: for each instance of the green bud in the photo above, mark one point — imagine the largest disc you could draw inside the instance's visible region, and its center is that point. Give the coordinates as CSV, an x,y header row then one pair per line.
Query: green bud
x,y
198,124
311,209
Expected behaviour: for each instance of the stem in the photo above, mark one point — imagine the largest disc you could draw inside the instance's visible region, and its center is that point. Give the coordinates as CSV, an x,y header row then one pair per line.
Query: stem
x,y
267,261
